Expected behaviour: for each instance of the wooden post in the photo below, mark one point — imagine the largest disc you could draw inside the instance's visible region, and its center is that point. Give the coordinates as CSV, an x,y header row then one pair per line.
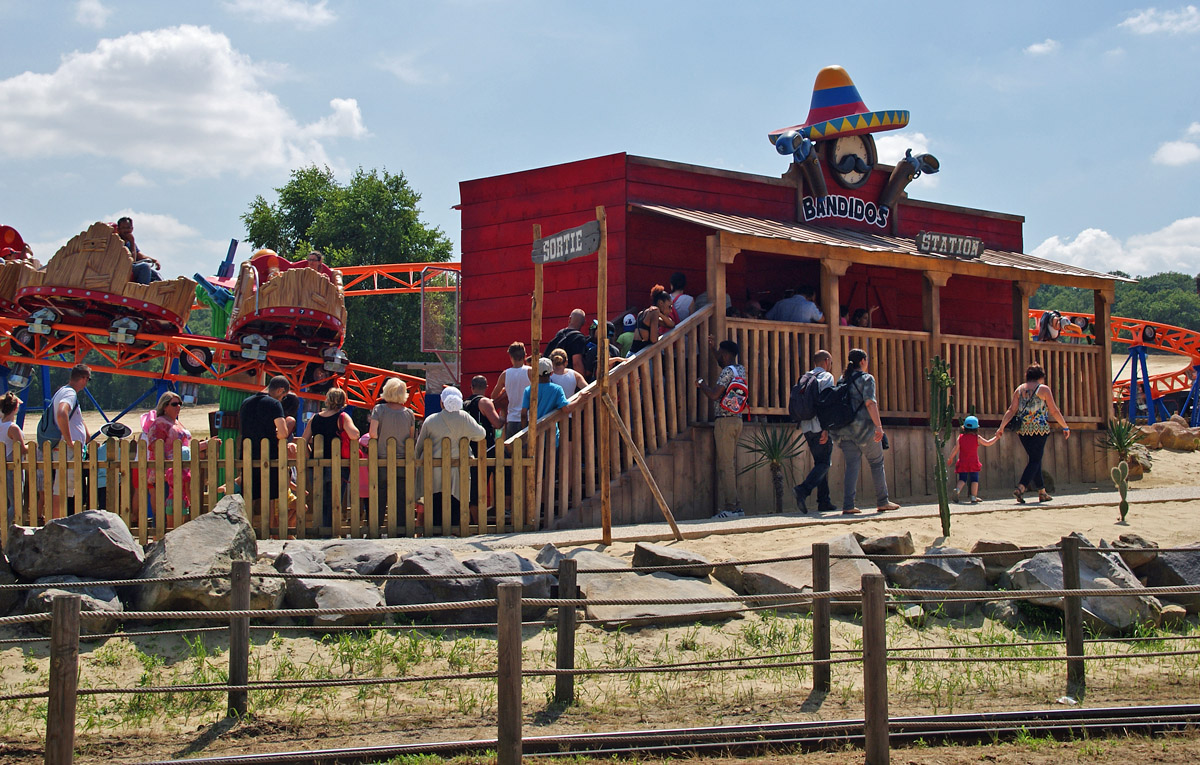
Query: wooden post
x,y
831,305
875,691
64,679
931,299
1021,293
508,670
564,685
1073,619
643,466
820,617
239,636
535,352
719,256
1102,301
602,424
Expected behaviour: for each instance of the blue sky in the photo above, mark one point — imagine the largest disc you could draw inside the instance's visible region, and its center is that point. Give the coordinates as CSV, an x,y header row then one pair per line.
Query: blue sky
x,y
1082,116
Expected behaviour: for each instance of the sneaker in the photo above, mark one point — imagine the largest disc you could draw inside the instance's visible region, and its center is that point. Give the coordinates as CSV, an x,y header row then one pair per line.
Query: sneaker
x,y
827,508
975,500
954,497
728,514
799,499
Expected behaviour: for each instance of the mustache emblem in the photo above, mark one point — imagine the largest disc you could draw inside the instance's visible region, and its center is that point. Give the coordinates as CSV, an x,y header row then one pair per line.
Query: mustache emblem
x,y
851,162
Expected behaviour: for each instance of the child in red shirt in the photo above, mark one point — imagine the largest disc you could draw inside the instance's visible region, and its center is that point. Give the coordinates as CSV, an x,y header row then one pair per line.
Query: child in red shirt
x,y
966,452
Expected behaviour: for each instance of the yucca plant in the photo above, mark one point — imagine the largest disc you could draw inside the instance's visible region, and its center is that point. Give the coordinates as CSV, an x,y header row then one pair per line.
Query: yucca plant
x,y
1124,438
774,447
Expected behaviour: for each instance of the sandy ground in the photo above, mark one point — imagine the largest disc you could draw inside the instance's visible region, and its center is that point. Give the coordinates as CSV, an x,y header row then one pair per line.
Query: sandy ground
x,y
195,419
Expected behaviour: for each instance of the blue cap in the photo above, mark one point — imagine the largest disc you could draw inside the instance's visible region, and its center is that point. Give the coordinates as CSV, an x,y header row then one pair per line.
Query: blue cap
x,y
971,423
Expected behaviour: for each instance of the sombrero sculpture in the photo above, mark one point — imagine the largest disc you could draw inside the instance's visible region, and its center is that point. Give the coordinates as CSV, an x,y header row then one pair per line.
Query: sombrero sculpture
x,y
838,110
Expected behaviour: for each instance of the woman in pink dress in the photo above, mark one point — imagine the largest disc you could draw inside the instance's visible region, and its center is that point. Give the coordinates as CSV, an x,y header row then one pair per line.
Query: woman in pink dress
x,y
165,427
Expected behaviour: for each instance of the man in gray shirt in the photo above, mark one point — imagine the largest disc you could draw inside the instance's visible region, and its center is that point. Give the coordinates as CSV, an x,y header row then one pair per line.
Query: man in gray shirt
x,y
820,445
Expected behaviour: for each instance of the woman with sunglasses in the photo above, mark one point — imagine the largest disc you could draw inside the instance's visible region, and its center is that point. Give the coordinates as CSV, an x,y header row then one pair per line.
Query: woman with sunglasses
x,y
166,427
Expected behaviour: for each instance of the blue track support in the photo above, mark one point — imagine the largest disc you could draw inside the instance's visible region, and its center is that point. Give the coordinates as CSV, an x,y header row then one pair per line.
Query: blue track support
x,y
1137,355
1193,398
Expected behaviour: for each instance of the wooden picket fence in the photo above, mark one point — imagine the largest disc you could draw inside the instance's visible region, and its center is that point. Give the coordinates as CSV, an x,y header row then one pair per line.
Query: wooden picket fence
x,y
360,505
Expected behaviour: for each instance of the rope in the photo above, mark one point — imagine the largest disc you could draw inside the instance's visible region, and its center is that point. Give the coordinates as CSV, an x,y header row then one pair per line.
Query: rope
x,y
940,595
681,668
24,619
1024,552
1004,659
288,684
23,696
111,582
375,627
277,613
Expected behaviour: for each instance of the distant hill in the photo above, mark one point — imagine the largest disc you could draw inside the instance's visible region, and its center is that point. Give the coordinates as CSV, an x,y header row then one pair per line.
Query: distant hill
x,y
1167,298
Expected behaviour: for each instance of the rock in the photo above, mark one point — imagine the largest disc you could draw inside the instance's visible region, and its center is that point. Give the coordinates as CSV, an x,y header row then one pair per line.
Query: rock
x,y
536,584
358,556
1176,569
94,543
590,559
459,586
647,555
1004,611
207,544
942,573
1173,615
995,565
100,599
8,598
1097,570
914,615
548,556
325,593
1178,436
1150,435
796,576
730,576
626,585
889,544
1134,550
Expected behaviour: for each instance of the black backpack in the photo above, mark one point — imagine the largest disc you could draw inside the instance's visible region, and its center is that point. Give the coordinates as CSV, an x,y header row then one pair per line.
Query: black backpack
x,y
563,339
802,401
835,405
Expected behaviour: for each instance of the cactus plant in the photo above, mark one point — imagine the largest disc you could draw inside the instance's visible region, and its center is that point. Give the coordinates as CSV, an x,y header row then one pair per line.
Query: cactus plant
x,y
1120,477
941,421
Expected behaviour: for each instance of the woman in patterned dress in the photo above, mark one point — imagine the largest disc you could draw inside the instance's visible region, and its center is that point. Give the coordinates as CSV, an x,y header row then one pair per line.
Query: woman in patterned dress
x,y
1032,406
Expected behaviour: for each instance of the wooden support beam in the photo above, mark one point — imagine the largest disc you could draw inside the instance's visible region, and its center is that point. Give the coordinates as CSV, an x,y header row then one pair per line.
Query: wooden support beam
x,y
640,459
831,305
1102,301
602,427
720,255
931,300
1022,291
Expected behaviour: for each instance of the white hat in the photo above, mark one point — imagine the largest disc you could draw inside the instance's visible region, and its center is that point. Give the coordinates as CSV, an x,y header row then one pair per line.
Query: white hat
x,y
630,321
452,399
545,366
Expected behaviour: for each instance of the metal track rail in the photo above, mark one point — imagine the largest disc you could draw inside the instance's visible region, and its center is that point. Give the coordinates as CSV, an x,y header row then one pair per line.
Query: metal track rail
x,y
757,739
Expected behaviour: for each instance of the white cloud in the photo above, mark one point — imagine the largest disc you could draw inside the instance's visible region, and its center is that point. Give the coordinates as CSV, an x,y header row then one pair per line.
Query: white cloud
x,y
1175,153
302,14
1174,248
92,13
1194,129
1043,48
180,100
890,148
1186,20
1115,53
404,68
134,178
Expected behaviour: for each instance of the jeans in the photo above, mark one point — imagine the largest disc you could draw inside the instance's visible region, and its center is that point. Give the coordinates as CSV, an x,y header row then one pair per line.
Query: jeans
x,y
726,432
818,477
1031,477
853,452
144,273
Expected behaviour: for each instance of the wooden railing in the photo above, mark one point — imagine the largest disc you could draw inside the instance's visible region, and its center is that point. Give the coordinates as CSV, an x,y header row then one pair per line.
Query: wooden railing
x,y
1071,373
898,361
985,372
118,483
776,355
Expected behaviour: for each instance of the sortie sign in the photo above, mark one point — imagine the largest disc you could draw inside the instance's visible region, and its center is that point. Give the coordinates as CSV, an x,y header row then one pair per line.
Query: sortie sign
x,y
955,245
568,245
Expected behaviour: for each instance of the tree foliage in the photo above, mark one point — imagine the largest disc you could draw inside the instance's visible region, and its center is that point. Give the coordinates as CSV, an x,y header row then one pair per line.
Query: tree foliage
x,y
372,220
1166,298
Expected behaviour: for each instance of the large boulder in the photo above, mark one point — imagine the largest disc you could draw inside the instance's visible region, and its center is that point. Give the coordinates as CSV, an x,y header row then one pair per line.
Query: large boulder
x,y
942,573
648,555
101,599
1176,434
796,576
325,593
995,565
456,582
1176,569
535,583
95,543
627,585
1134,550
1097,570
8,598
206,545
358,556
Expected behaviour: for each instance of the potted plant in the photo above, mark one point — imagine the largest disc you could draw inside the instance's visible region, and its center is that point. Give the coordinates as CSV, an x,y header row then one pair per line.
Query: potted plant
x,y
774,447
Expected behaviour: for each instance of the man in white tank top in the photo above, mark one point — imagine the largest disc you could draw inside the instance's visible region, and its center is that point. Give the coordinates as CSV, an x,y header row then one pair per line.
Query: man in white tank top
x,y
511,385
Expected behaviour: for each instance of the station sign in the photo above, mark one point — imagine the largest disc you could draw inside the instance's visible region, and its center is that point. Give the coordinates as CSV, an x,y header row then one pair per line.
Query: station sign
x,y
954,245
568,245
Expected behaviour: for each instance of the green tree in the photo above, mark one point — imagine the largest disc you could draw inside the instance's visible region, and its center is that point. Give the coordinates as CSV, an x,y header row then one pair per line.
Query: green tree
x,y
372,220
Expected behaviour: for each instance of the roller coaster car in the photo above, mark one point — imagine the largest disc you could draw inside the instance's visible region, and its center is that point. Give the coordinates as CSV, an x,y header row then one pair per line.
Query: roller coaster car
x,y
88,283
292,307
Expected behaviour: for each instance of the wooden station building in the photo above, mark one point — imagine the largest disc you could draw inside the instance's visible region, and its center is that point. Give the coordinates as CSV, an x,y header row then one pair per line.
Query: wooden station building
x,y
740,237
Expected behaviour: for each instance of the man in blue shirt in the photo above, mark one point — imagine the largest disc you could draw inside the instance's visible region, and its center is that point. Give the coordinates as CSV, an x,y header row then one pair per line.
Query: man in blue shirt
x,y
798,308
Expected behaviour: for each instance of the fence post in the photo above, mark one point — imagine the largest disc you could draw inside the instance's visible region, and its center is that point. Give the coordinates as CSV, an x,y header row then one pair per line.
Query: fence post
x,y
875,691
508,674
239,636
64,679
1073,618
564,685
820,617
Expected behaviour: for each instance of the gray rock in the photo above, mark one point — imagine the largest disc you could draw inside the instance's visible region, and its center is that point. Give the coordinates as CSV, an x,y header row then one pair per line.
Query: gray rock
x,y
914,615
8,598
548,556
358,556
1176,569
646,555
325,593
1174,616
1134,550
100,599
590,559
94,543
995,565
207,544
459,586
889,544
730,576
1004,611
534,584
1097,570
796,576
942,573
626,585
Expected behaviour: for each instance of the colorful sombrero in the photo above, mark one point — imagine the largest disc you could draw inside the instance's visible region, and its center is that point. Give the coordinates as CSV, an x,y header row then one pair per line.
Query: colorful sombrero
x,y
838,110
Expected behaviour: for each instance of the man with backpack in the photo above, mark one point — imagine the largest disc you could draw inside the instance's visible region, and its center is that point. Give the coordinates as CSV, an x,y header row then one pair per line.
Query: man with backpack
x,y
851,414
572,340
62,424
730,392
802,405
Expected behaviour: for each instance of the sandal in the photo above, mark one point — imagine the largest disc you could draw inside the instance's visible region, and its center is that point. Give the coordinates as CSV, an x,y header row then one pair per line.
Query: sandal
x,y
851,511
1019,493
888,507
1043,496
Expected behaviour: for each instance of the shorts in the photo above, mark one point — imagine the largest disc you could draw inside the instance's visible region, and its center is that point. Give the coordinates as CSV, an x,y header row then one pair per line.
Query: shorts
x,y
969,477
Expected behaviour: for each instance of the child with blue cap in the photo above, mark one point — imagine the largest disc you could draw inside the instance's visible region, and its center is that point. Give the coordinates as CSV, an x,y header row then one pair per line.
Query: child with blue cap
x,y
966,453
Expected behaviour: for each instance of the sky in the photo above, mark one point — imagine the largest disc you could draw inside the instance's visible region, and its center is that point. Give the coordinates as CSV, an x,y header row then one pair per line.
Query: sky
x,y
1082,116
